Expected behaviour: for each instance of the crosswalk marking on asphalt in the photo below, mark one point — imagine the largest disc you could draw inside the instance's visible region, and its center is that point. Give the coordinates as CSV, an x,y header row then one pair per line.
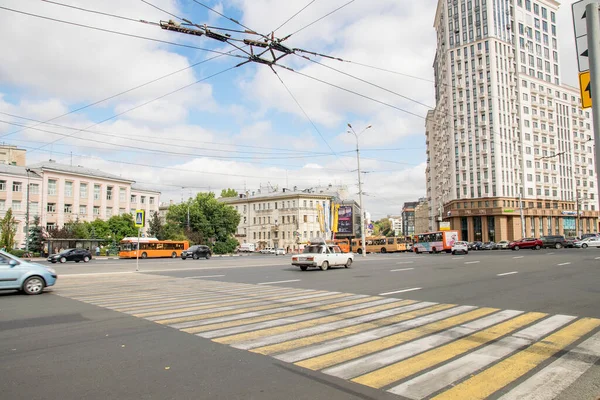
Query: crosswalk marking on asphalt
x,y
415,349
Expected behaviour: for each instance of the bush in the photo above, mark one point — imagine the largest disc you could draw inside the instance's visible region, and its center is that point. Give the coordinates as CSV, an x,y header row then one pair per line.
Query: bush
x,y
17,252
228,246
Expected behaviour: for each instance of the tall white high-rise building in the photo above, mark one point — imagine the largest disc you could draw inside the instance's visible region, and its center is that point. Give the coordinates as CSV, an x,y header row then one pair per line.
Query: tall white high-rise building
x,y
505,126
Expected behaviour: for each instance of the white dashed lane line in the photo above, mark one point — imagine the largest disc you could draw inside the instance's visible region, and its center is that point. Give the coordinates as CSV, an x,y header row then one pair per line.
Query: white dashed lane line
x,y
457,258
566,263
401,269
405,262
400,291
518,257
472,262
508,273
203,276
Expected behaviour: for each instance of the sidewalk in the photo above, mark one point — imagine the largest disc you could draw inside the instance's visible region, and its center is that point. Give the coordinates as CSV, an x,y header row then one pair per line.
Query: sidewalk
x,y
42,259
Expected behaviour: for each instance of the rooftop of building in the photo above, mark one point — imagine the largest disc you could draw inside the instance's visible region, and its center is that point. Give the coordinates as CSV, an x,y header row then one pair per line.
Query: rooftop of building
x,y
143,188
325,192
77,170
17,171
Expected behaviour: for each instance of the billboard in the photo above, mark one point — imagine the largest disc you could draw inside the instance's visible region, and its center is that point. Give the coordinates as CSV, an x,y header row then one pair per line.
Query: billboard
x,y
345,220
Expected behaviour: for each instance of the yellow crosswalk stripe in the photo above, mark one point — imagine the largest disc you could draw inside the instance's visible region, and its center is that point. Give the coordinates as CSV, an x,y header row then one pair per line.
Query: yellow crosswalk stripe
x,y
495,378
402,369
306,324
307,341
283,314
222,303
258,308
350,353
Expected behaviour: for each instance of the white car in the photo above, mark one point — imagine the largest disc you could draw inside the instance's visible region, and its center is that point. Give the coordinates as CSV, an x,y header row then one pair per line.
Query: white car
x,y
322,255
460,247
588,242
268,250
280,252
503,244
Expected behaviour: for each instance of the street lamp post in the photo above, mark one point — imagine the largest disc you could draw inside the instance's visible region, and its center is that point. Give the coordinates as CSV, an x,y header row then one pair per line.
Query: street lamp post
x,y
27,214
362,211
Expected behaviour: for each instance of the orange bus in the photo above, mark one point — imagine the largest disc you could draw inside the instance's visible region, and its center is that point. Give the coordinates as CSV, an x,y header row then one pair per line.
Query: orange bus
x,y
151,248
380,244
344,244
434,242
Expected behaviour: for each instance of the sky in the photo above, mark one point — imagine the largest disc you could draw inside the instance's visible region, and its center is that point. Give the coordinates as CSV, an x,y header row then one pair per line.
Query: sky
x,y
180,117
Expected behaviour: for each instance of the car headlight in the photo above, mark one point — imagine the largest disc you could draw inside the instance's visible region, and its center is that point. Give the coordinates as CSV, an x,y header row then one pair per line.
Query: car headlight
x,y
51,270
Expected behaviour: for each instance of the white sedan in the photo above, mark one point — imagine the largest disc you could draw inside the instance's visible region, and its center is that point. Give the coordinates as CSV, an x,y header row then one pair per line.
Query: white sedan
x,y
460,247
280,252
588,242
321,255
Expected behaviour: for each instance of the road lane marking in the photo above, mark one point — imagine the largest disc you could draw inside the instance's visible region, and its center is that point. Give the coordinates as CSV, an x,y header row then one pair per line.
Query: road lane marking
x,y
444,376
472,262
401,269
518,257
367,344
549,254
403,369
422,308
565,263
400,291
203,276
508,273
405,262
558,376
246,333
508,370
597,258
357,367
272,283
457,258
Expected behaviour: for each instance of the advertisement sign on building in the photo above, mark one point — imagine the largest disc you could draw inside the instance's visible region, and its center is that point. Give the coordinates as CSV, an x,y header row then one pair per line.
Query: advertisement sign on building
x,y
345,220
444,226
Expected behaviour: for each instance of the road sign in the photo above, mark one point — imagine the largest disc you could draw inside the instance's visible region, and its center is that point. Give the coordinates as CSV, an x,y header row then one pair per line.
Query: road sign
x,y
140,221
586,89
580,28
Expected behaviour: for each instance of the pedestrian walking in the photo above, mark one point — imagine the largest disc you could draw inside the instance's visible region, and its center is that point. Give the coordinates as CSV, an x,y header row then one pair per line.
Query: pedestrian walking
x,y
97,251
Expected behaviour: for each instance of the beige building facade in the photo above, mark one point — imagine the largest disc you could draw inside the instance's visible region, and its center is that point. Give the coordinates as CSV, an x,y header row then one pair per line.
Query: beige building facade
x,y
12,155
60,193
422,221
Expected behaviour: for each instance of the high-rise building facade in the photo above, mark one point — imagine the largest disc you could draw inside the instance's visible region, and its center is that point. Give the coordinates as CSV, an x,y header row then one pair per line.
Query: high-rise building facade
x,y
504,126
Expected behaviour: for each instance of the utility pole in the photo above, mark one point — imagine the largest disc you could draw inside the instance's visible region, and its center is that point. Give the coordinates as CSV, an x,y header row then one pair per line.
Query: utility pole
x,y
593,31
27,215
521,212
579,230
360,193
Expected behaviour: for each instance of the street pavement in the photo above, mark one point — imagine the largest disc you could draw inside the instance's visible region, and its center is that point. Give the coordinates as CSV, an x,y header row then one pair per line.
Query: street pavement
x,y
495,324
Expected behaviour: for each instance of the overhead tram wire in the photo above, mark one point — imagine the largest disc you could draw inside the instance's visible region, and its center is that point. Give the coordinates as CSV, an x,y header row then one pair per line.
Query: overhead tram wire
x,y
314,22
306,115
170,144
293,16
229,18
116,32
150,101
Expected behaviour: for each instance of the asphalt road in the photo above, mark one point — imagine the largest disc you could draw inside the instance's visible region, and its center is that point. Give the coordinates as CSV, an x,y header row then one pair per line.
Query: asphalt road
x,y
106,331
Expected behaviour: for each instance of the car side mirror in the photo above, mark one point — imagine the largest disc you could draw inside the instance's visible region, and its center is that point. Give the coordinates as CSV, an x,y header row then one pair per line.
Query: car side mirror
x,y
13,263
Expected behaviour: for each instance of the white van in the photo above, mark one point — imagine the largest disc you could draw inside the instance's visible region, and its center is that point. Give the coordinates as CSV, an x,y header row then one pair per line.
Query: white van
x,y
247,248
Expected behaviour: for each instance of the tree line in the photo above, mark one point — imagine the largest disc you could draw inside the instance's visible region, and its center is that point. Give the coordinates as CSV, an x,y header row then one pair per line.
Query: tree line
x,y
200,220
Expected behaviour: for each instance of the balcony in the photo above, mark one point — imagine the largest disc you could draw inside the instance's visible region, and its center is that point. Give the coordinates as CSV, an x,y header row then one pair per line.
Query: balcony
x,y
534,90
480,67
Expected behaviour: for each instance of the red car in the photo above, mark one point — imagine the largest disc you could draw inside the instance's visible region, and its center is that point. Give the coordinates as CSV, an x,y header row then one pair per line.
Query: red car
x,y
527,243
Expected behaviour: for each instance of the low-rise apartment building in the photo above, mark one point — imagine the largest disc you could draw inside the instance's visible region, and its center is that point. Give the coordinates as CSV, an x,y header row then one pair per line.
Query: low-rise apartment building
x,y
60,193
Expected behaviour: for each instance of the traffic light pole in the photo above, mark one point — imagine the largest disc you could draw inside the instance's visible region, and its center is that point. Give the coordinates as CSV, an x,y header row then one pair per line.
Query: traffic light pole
x,y
593,30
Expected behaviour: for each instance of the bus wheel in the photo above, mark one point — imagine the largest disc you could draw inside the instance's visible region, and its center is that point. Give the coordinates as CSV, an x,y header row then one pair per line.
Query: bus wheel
x,y
359,251
144,255
173,255
383,250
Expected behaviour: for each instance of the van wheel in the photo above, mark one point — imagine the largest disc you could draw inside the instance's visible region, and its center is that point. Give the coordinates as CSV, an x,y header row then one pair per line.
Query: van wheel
x,y
324,266
348,263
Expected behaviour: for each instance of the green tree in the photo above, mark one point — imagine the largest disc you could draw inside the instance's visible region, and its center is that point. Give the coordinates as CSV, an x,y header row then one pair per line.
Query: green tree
x,y
99,229
229,193
228,246
35,236
155,226
210,221
383,227
120,226
8,230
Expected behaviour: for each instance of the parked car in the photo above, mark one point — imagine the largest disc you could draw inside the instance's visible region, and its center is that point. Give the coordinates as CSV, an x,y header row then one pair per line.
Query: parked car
x,y
555,241
526,243
502,245
588,242
588,235
196,252
320,255
570,242
18,274
488,246
76,255
280,252
460,247
476,246
267,250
